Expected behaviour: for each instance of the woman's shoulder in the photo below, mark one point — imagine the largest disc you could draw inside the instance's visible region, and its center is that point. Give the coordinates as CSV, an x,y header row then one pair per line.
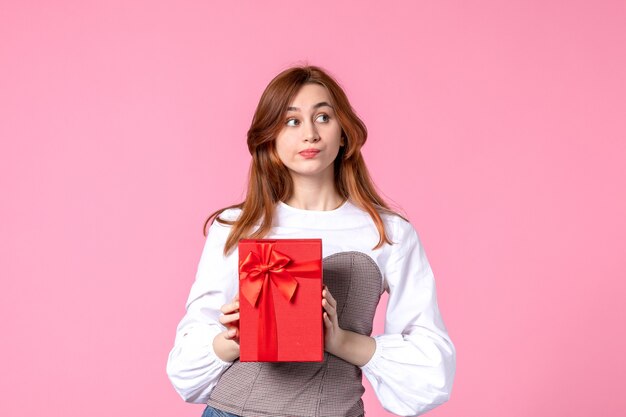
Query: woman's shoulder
x,y
395,219
224,220
399,229
229,214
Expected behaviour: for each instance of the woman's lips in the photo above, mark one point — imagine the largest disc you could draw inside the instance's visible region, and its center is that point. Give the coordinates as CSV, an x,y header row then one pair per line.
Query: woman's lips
x,y
309,153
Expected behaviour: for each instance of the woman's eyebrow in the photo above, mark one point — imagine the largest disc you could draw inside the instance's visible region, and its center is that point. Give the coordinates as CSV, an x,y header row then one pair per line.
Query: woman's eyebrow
x,y
318,105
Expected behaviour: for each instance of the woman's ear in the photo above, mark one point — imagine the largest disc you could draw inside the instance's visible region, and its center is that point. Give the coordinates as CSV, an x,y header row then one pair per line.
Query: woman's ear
x,y
343,140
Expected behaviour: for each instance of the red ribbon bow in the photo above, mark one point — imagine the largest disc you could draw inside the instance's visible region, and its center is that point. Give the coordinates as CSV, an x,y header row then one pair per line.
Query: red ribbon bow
x,y
257,272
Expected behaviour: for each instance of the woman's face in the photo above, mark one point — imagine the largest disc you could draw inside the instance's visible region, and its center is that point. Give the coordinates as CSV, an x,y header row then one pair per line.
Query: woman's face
x,y
311,135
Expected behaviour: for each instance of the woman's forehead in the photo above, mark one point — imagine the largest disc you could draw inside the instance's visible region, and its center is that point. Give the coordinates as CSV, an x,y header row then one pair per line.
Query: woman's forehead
x,y
310,96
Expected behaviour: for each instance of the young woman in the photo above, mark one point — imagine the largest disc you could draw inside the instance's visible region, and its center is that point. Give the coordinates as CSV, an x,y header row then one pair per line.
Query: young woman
x,y
308,179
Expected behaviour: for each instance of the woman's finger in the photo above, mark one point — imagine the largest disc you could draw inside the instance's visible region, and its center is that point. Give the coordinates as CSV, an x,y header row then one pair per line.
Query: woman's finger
x,y
328,307
329,297
230,307
232,333
327,321
229,318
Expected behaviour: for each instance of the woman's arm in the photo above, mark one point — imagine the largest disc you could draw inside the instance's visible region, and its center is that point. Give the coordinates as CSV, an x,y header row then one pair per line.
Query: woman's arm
x,y
414,363
194,365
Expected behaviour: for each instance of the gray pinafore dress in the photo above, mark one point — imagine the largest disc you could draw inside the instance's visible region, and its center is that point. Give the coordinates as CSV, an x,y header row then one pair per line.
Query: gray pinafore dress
x,y
332,388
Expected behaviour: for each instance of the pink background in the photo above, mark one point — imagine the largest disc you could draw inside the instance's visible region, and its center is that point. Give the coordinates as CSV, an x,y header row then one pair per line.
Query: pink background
x,y
498,126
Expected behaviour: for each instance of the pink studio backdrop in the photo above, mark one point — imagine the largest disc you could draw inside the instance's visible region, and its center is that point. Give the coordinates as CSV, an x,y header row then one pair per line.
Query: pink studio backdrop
x,y
497,126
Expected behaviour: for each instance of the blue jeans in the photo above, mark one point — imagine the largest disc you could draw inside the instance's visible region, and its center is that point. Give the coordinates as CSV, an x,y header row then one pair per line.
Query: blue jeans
x,y
214,412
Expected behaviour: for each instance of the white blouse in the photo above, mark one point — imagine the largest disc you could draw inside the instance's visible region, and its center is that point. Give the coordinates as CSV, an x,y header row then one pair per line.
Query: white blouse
x,y
413,367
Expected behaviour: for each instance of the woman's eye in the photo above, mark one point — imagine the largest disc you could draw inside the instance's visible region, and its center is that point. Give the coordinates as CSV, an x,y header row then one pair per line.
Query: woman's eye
x,y
323,118
292,122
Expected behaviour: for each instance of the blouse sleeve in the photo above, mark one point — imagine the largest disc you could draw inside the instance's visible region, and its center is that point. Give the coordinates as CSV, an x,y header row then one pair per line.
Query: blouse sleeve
x,y
192,365
413,366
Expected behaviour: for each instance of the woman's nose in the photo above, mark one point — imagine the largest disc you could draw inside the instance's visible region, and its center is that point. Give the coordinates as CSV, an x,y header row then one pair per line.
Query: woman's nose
x,y
310,133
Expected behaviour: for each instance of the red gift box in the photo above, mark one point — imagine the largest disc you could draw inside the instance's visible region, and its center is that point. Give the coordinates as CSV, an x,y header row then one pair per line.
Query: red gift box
x,y
280,300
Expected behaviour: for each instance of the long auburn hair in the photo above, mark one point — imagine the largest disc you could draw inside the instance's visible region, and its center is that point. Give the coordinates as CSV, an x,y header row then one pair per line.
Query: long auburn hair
x,y
270,181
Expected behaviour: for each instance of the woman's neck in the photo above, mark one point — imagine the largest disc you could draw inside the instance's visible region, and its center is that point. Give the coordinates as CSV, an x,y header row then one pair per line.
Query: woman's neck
x,y
314,195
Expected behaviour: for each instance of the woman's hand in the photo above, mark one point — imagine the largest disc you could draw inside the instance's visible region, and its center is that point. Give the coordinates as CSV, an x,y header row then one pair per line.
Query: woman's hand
x,y
333,334
352,347
230,319
226,344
